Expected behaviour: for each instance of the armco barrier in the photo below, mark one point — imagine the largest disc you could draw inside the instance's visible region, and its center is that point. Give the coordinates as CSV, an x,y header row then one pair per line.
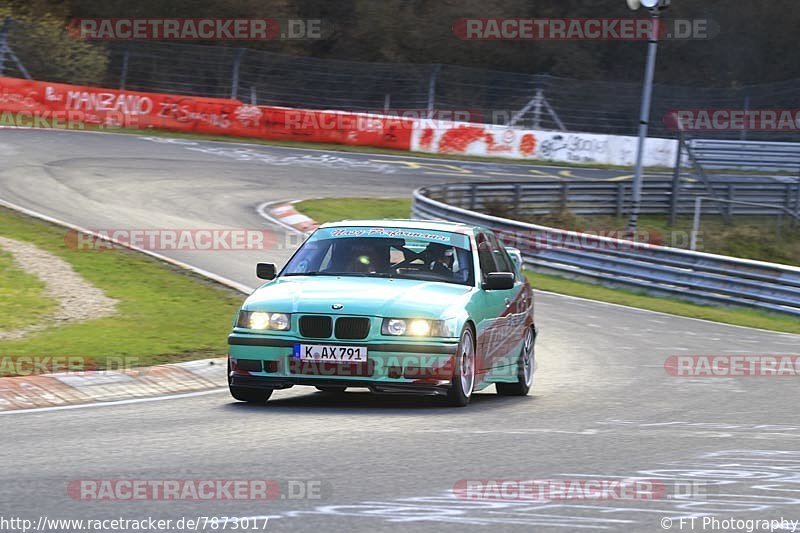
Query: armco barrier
x,y
747,155
34,103
703,277
613,198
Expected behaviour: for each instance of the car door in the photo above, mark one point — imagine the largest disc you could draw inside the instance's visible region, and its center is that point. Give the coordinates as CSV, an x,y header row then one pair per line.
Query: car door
x,y
514,307
492,331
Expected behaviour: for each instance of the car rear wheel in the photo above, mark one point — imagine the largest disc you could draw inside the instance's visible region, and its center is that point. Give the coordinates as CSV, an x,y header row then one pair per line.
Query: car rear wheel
x,y
525,369
464,371
332,390
257,396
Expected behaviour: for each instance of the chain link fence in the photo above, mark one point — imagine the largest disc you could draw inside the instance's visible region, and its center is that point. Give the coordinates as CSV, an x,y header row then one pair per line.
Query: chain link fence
x,y
446,91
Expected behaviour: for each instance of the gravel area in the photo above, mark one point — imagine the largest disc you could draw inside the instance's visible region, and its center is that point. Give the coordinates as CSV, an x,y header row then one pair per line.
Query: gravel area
x,y
78,300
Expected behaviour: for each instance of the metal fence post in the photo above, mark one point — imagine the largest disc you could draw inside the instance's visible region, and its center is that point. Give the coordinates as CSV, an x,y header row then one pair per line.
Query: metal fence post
x,y
537,109
517,199
473,197
731,198
797,203
620,198
432,88
563,201
743,135
698,206
237,62
676,182
788,203
123,77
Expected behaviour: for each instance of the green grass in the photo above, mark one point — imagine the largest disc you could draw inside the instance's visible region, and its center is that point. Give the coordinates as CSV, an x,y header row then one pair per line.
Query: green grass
x,y
333,209
21,300
746,237
164,313
728,315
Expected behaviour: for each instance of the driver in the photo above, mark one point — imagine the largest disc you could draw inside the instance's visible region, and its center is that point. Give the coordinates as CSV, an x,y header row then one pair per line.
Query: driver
x,y
439,258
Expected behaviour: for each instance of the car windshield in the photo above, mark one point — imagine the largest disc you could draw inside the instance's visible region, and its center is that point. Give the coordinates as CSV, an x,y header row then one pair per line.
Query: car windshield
x,y
426,255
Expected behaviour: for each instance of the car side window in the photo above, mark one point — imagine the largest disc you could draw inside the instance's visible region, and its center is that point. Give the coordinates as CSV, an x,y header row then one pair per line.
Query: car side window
x,y
485,255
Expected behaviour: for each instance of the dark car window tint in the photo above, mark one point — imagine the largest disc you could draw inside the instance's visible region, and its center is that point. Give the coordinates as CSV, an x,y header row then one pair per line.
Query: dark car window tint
x,y
408,253
504,262
485,255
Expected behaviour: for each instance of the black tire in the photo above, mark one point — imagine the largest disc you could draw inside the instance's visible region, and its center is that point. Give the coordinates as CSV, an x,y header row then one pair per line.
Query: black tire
x,y
332,390
246,394
524,380
460,394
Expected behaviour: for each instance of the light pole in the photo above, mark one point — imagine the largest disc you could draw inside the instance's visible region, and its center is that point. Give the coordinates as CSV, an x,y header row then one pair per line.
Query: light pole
x,y
655,7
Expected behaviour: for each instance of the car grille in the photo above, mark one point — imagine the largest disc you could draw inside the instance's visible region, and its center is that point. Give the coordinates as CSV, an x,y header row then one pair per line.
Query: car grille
x,y
316,327
352,328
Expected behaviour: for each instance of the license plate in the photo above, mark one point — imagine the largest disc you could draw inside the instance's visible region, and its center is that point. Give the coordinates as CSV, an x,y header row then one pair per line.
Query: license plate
x,y
330,353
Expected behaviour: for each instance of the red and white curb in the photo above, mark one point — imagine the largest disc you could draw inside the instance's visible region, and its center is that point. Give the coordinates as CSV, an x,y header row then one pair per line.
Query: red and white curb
x,y
284,214
54,390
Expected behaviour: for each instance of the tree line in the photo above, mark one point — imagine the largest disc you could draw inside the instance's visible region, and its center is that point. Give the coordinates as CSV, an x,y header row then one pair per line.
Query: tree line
x,y
755,41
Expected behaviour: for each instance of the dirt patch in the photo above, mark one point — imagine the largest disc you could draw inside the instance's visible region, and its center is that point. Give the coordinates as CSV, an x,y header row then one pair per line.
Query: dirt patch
x,y
78,300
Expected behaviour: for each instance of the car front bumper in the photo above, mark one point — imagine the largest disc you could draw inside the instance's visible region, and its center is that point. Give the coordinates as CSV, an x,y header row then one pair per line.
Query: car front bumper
x,y
400,367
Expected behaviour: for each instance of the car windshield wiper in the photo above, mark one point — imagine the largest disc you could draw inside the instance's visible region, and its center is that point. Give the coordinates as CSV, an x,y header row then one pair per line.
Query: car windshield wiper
x,y
343,274
434,277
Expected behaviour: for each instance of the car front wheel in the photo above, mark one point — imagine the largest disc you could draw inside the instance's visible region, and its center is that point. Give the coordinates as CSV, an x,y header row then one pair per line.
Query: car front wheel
x,y
464,370
258,396
245,394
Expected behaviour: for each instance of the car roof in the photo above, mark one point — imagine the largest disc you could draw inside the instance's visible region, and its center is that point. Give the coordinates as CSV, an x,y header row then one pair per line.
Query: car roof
x,y
435,225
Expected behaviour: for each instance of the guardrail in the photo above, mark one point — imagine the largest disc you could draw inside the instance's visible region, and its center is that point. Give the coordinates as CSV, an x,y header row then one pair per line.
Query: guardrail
x,y
685,274
747,155
612,198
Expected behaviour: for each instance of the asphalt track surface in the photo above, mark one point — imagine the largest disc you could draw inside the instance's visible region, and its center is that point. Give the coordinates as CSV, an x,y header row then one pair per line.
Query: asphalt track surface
x,y
603,406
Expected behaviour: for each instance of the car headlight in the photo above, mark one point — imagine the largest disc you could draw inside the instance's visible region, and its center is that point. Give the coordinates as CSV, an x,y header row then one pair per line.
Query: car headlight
x,y
263,320
415,327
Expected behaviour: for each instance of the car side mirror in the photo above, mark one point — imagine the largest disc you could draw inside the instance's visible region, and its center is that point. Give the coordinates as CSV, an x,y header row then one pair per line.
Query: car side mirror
x,y
499,281
266,270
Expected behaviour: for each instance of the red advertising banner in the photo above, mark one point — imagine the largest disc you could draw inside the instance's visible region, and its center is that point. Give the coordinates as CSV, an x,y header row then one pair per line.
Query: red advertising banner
x,y
29,103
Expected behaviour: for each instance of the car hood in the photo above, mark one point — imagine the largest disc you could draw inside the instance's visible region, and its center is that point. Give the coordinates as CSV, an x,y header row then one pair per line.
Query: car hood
x,y
358,296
